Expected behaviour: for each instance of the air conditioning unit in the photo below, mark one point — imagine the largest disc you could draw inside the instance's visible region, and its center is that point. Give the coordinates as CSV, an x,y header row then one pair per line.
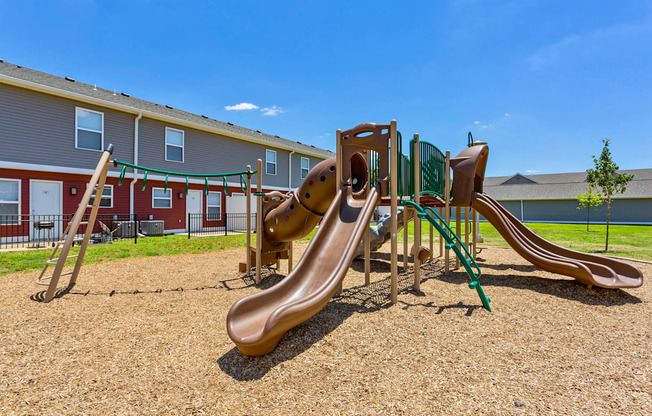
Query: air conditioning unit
x,y
152,228
124,229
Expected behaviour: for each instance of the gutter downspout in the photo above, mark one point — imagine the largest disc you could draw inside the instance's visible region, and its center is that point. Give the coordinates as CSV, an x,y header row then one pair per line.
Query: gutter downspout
x,y
133,182
290,170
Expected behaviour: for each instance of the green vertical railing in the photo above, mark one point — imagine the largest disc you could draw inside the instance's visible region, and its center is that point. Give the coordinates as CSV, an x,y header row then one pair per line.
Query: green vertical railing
x,y
433,167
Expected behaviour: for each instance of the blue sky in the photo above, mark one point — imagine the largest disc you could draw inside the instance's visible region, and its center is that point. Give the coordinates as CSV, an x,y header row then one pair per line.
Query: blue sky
x,y
542,81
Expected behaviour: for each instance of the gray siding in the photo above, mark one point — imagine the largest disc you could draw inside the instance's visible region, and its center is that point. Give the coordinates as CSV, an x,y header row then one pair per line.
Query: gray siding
x,y
626,211
211,153
40,129
296,167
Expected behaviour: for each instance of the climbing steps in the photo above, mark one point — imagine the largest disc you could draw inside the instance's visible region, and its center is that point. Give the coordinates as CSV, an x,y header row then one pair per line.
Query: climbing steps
x,y
454,242
63,246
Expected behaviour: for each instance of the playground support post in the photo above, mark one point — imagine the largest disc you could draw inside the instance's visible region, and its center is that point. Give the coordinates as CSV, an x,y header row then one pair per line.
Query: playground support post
x,y
248,205
290,255
441,237
393,138
458,229
417,219
259,218
406,221
466,227
338,178
367,234
475,234
447,207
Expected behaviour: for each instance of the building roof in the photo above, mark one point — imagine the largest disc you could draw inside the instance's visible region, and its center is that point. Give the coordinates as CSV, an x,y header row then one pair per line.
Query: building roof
x,y
561,186
44,82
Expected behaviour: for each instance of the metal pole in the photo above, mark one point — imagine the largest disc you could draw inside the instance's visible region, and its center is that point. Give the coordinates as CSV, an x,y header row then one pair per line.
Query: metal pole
x,y
393,174
338,179
367,233
447,210
248,219
417,219
259,218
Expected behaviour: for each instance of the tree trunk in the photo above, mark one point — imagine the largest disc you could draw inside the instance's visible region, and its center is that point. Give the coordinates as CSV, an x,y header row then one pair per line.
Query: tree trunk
x,y
588,211
606,245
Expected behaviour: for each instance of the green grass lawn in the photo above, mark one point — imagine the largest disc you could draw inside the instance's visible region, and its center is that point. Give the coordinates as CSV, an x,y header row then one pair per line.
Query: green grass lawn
x,y
625,240
633,241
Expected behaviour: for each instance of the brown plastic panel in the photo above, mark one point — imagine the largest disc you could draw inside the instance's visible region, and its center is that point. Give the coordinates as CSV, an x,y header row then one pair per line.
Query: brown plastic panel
x,y
468,174
366,136
257,322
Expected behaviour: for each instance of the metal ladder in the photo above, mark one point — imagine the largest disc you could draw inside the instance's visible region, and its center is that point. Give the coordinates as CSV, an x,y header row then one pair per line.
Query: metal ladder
x,y
64,245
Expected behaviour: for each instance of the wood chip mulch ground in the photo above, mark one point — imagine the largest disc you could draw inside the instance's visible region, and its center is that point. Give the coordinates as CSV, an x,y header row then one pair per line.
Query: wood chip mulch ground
x,y
148,336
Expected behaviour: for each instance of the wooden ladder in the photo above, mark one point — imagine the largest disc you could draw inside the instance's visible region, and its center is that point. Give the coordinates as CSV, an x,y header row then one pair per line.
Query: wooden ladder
x,y
64,245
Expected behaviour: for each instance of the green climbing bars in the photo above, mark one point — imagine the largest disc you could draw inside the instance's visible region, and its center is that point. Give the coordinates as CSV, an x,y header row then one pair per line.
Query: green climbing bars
x,y
451,238
241,174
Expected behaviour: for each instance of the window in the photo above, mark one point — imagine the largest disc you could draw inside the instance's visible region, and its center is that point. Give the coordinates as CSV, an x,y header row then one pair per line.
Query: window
x,y
305,167
9,201
173,145
107,197
270,162
161,198
89,129
214,206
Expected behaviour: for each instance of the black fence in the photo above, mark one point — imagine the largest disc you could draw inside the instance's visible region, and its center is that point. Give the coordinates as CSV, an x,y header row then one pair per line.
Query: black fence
x,y
34,231
199,225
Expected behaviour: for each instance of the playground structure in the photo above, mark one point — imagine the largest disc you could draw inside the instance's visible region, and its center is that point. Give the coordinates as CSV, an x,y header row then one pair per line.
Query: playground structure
x,y
83,218
371,170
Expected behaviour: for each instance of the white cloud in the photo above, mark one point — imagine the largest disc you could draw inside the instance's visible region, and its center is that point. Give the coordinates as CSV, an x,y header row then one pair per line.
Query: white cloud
x,y
507,115
488,126
272,111
241,106
476,122
532,170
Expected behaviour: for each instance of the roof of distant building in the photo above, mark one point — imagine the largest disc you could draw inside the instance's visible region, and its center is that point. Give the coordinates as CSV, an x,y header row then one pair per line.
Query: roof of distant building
x,y
560,185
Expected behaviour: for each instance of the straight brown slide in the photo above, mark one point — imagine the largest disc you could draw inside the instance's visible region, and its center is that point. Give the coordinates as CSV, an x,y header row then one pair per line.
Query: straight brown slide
x,y
589,269
257,322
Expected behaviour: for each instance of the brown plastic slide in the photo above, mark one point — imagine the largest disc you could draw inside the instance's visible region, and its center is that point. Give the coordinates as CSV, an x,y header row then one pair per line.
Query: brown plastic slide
x,y
589,269
257,322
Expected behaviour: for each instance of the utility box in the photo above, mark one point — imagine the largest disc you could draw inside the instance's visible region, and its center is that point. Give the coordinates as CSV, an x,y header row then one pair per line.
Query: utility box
x,y
152,228
124,229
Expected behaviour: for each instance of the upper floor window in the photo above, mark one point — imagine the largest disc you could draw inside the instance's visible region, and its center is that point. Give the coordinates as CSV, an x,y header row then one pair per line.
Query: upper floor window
x,y
161,198
107,197
9,201
89,129
305,167
173,145
270,162
214,206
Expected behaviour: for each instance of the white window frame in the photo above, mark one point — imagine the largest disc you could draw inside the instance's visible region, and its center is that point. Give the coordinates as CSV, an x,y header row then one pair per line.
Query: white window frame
x,y
208,215
275,163
154,198
106,186
183,145
19,202
302,168
77,128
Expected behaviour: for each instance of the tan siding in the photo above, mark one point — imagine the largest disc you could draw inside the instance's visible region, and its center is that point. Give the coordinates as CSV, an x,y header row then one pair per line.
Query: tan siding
x,y
40,128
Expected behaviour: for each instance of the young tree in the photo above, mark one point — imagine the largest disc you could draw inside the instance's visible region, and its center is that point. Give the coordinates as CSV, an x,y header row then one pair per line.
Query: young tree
x,y
605,176
589,200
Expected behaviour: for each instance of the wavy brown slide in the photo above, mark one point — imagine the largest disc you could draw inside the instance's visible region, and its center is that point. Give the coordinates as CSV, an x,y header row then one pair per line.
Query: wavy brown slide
x,y
589,269
257,322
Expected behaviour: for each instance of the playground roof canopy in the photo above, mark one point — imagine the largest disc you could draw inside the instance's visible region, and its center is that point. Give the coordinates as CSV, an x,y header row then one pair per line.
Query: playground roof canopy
x,y
41,81
559,185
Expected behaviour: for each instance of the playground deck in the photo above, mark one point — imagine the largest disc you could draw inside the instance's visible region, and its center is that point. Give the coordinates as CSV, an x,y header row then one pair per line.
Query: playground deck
x,y
148,336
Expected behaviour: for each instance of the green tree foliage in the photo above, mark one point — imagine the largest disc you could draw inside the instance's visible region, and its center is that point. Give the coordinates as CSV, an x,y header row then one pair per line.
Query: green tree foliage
x,y
589,200
605,176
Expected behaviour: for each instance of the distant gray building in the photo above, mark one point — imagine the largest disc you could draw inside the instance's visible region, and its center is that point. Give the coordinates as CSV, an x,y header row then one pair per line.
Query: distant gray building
x,y
553,198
